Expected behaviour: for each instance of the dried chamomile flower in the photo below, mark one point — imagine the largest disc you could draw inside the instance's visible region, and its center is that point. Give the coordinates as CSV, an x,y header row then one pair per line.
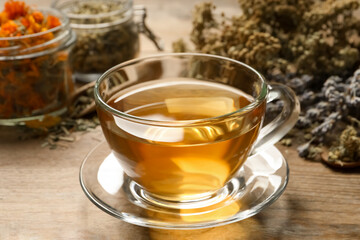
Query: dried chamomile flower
x,y
347,152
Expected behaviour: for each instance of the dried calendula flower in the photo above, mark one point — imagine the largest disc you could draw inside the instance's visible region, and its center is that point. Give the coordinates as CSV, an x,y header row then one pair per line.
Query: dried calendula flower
x,y
18,19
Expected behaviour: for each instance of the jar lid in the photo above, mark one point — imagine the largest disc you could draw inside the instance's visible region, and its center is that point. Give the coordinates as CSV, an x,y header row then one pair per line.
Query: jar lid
x,y
95,14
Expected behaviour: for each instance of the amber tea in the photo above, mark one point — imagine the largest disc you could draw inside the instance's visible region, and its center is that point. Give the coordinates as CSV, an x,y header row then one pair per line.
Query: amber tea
x,y
183,153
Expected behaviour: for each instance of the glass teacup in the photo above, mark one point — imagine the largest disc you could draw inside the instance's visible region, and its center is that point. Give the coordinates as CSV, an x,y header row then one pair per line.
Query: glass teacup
x,y
182,125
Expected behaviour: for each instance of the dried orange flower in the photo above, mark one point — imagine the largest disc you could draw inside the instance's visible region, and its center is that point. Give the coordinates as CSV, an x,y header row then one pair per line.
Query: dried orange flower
x,y
19,19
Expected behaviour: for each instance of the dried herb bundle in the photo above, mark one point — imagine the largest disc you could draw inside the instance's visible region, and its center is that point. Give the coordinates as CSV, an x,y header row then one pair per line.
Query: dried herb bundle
x,y
312,46
304,36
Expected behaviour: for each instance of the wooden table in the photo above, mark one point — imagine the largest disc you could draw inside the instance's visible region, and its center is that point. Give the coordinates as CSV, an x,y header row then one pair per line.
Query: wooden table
x,y
40,195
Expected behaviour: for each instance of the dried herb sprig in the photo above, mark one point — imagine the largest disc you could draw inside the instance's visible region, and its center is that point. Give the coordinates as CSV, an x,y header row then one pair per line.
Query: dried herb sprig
x,y
81,117
338,99
63,132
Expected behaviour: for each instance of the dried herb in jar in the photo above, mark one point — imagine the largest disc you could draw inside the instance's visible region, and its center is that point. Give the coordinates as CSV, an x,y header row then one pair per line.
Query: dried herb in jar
x,y
34,80
107,35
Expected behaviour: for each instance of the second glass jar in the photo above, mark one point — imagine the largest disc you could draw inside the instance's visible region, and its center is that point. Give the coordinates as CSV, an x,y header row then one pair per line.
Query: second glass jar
x,y
106,35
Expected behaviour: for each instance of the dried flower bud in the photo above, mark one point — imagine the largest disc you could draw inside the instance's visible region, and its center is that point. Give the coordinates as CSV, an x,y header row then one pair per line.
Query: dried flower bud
x,y
327,125
303,122
307,98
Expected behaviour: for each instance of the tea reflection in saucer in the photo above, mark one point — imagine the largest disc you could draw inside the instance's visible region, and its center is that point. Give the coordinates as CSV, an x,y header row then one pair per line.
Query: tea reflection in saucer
x,y
245,230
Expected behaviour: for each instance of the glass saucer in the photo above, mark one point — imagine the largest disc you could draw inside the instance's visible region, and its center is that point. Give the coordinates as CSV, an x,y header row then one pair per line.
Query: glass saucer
x,y
261,180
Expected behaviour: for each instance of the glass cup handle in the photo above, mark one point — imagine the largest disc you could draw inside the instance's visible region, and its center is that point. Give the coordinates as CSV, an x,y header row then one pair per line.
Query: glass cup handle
x,y
284,122
140,10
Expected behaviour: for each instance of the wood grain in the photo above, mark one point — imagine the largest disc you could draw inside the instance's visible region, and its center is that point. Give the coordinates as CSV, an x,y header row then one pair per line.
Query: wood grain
x,y
40,195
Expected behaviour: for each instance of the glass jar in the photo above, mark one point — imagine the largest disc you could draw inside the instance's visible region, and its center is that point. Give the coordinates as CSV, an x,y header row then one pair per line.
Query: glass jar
x,y
35,75
107,34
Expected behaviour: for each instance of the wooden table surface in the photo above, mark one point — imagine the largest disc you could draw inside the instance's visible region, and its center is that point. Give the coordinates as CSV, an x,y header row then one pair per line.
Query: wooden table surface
x,y
40,195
